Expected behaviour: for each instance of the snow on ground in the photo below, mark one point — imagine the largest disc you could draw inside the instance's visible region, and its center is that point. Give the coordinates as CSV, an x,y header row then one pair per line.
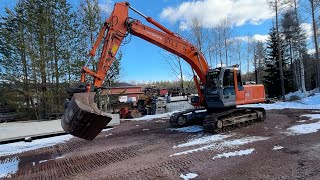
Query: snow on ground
x,y
18,147
106,130
189,129
205,140
188,176
300,94
304,129
9,166
46,160
301,121
312,102
234,153
311,116
242,141
108,135
217,143
277,148
150,117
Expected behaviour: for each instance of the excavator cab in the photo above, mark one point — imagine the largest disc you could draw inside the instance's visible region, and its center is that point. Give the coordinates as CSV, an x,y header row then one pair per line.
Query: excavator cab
x,y
220,89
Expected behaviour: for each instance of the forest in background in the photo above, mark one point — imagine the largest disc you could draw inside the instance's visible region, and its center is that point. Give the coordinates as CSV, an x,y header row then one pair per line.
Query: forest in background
x,y
44,44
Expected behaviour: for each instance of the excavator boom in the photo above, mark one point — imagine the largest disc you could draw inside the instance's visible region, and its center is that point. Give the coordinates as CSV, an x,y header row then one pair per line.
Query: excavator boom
x,y
83,119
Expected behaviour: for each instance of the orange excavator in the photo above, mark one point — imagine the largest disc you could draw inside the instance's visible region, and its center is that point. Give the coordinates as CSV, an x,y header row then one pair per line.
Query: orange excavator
x,y
220,90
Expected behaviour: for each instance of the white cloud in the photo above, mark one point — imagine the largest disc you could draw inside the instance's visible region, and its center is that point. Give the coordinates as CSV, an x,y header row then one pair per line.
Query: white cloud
x,y
256,37
106,6
307,28
211,12
260,37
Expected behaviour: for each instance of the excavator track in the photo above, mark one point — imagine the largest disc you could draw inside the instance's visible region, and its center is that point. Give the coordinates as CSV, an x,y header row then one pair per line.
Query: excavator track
x,y
218,122
233,118
187,117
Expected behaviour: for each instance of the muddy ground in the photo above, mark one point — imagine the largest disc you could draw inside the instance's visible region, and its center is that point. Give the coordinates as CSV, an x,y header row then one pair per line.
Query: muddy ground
x,y
151,150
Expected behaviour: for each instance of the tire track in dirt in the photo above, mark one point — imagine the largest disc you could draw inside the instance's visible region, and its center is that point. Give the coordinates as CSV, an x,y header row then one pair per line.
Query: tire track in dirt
x,y
169,169
62,168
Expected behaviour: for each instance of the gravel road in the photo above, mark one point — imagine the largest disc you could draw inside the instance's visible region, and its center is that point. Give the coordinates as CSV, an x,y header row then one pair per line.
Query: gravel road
x,y
152,150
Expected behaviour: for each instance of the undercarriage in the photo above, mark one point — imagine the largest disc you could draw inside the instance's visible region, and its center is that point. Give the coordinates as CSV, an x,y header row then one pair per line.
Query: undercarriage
x,y
218,121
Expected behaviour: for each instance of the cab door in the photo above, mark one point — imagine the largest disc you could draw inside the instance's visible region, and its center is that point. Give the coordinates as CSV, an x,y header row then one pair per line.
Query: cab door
x,y
228,88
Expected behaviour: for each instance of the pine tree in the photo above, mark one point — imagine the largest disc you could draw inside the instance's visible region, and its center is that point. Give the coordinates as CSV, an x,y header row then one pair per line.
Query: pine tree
x,y
39,40
272,79
296,40
91,24
15,64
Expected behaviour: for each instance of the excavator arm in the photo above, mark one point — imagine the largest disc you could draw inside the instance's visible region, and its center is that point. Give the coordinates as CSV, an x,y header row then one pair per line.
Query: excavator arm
x,y
119,25
81,117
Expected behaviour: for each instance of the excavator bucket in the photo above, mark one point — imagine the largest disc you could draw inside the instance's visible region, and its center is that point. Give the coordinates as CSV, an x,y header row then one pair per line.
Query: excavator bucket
x,y
82,118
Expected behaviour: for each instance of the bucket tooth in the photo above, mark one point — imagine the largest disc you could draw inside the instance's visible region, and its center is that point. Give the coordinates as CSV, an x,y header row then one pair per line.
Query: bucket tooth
x,y
82,118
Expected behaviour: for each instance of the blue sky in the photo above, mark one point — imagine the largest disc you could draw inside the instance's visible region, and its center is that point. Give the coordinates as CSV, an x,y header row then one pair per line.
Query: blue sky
x,y
144,62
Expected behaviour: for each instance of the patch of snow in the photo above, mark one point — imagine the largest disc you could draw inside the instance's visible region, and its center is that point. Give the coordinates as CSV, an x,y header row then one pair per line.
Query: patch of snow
x,y
277,127
304,129
145,129
189,129
46,160
223,144
137,125
18,147
59,157
9,166
108,135
195,150
188,176
242,141
106,130
301,121
311,116
299,93
312,102
205,140
42,161
234,153
151,117
277,148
